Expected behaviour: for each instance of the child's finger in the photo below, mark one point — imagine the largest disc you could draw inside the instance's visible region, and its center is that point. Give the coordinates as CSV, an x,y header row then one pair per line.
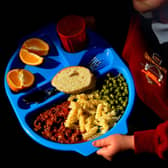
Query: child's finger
x,y
104,152
100,142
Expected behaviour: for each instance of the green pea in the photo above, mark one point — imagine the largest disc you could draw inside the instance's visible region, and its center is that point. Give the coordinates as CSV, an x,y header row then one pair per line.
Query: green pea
x,y
116,101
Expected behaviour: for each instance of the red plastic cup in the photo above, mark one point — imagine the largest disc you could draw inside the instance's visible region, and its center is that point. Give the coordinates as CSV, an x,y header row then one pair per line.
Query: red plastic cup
x,y
72,33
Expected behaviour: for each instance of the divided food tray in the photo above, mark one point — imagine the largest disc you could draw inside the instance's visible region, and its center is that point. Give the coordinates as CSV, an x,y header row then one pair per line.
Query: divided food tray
x,y
57,59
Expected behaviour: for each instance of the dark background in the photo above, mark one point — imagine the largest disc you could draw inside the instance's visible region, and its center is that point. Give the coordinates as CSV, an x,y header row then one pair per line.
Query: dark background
x,y
18,20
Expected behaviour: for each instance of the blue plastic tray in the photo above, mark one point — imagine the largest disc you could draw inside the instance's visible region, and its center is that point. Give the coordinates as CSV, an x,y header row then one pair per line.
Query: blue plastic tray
x,y
56,60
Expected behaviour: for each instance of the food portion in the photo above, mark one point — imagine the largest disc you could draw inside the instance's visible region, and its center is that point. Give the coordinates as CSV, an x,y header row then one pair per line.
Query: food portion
x,y
50,124
86,115
32,51
19,79
30,58
30,54
37,46
74,79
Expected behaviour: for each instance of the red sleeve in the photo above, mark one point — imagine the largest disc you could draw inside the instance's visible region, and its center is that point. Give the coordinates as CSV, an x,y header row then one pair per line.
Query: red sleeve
x,y
153,141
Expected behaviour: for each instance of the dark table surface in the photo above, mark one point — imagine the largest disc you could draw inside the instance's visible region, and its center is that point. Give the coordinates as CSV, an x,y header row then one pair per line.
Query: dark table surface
x,y
17,148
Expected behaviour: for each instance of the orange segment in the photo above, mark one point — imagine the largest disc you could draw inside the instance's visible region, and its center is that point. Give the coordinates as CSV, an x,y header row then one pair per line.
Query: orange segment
x,y
13,78
37,46
27,78
19,79
30,58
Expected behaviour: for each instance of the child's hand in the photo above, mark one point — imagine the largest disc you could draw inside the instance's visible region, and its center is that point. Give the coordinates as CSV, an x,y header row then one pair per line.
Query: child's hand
x,y
114,144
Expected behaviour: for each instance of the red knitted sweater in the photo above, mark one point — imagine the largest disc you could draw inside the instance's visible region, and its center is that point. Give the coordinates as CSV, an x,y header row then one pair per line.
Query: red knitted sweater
x,y
154,96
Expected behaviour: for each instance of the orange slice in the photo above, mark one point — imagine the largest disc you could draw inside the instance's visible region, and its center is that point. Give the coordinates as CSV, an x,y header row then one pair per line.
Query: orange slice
x,y
30,58
37,46
19,79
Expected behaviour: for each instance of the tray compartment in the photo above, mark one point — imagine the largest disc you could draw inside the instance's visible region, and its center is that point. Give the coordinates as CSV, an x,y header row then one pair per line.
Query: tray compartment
x,y
30,117
97,59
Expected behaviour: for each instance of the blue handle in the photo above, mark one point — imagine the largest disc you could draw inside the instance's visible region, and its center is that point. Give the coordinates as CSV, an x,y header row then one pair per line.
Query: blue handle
x,y
86,148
